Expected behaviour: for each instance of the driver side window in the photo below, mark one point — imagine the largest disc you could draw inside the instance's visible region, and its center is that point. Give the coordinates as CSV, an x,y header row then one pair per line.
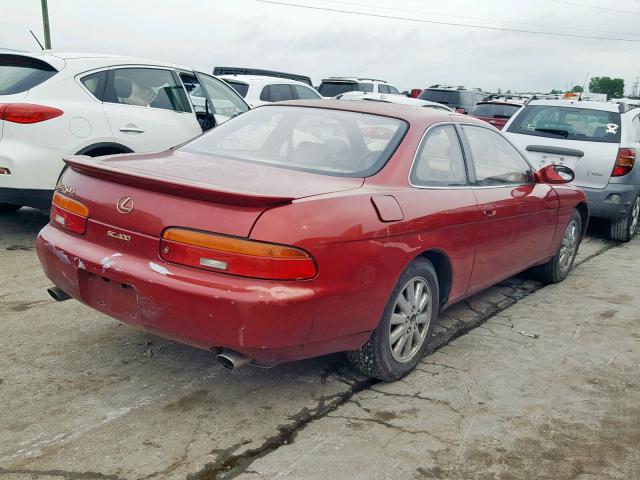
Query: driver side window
x,y
495,160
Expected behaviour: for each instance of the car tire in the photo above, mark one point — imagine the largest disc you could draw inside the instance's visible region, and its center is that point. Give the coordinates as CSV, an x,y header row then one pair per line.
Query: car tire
x,y
624,229
9,208
558,268
386,356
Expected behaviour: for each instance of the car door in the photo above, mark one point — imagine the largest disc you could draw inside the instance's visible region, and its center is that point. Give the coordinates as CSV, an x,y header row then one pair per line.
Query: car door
x,y
147,108
442,203
519,216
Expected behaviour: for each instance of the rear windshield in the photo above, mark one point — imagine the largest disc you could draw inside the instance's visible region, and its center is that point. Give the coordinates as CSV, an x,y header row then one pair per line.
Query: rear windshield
x,y
19,74
494,110
570,123
441,96
318,140
241,88
331,89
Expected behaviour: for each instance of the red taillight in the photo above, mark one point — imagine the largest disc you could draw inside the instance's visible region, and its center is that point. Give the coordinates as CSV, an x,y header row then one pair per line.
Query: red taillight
x,y
27,112
625,162
236,256
459,110
69,214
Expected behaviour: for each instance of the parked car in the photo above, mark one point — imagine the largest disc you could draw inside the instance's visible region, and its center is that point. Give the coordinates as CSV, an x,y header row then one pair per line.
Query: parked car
x,y
399,99
304,228
332,86
460,99
54,104
258,90
599,141
219,71
497,111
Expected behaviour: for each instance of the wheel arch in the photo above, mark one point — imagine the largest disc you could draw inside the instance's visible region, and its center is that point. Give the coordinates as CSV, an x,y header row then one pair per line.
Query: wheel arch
x,y
104,148
583,210
442,264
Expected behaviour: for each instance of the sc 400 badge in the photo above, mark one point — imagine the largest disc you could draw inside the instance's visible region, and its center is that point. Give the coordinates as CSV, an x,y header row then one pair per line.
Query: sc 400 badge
x,y
119,236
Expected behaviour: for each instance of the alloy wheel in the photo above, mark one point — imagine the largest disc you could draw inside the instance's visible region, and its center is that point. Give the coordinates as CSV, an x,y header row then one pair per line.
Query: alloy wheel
x,y
569,246
410,320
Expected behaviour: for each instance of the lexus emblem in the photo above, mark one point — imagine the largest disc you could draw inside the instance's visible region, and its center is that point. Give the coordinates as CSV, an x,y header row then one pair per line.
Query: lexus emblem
x,y
125,205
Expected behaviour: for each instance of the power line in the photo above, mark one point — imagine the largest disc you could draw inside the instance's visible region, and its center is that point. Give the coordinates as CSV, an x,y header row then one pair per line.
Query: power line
x,y
466,17
451,24
596,7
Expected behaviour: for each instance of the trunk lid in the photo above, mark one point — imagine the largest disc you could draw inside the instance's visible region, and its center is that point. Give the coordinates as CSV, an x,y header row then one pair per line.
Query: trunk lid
x,y
592,162
197,191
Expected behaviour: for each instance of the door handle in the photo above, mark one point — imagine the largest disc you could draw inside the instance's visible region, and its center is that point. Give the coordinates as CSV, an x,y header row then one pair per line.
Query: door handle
x,y
489,210
131,130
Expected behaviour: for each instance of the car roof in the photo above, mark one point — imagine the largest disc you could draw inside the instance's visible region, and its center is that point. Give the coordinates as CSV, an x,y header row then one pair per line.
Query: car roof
x,y
353,79
389,98
606,106
513,103
263,79
409,113
96,59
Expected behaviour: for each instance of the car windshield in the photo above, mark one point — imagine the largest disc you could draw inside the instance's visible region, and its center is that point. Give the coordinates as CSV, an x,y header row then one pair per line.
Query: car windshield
x,y
331,89
570,123
319,140
19,74
447,97
494,110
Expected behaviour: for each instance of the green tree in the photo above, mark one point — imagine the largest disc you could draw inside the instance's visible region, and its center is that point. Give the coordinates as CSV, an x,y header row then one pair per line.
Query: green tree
x,y
577,89
613,87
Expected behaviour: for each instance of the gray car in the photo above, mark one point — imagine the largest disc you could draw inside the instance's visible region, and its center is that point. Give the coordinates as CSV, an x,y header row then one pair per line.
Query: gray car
x,y
599,141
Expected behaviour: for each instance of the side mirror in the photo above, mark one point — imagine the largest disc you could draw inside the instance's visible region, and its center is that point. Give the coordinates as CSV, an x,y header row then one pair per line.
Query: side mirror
x,y
555,174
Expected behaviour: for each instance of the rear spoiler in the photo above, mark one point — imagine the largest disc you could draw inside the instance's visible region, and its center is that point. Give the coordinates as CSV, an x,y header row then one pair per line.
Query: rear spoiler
x,y
209,193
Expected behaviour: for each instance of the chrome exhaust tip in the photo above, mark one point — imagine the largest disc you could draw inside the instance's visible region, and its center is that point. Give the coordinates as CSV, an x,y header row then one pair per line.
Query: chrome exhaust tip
x,y
57,294
232,360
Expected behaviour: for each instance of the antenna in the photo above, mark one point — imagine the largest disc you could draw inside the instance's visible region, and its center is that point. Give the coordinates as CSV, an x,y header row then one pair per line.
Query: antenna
x,y
36,38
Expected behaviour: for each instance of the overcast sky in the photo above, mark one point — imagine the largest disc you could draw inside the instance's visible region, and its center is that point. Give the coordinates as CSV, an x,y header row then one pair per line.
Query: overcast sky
x,y
206,33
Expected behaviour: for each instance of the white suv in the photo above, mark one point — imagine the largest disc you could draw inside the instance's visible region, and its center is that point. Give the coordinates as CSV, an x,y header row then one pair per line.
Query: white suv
x,y
259,89
599,141
54,104
332,86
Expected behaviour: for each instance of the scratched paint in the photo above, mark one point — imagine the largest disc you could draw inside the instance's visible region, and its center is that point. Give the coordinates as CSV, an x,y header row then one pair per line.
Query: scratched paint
x,y
159,269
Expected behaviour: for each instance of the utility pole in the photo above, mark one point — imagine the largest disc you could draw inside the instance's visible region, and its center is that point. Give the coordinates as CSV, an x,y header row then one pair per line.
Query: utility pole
x,y
45,23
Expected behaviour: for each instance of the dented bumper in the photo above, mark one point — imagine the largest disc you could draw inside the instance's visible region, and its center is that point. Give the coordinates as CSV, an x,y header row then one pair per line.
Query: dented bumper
x,y
266,320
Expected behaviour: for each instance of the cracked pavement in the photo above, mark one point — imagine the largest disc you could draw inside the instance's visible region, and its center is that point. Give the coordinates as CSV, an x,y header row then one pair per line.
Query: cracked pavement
x,y
84,397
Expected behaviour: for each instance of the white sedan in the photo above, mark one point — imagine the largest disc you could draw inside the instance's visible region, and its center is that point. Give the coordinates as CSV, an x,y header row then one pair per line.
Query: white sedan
x,y
390,98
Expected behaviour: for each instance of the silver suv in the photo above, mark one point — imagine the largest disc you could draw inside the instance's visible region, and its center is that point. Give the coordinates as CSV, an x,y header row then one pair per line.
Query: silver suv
x,y
599,141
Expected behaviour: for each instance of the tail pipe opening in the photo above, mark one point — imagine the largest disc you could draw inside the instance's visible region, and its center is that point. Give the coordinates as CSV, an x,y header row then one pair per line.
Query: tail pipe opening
x,y
232,360
57,294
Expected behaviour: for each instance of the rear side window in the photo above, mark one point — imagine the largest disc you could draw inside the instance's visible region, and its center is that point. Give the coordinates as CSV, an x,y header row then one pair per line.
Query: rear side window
x,y
95,83
276,93
495,161
383,89
439,161
446,97
494,110
636,126
393,90
19,74
241,88
570,123
365,87
305,93
331,89
146,87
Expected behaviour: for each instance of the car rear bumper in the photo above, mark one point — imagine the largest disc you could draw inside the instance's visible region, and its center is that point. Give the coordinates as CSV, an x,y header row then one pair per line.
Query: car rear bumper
x,y
612,202
265,320
26,197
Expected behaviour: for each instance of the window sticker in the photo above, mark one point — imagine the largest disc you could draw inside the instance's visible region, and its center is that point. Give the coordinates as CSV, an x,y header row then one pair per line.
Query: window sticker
x,y
612,128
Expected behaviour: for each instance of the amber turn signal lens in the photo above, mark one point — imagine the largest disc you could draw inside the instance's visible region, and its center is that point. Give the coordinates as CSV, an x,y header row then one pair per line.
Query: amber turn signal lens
x,y
70,205
232,245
